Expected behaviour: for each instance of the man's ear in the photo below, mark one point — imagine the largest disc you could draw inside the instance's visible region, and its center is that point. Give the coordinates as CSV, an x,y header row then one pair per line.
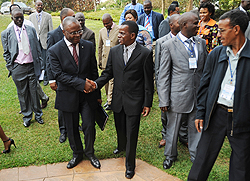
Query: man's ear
x,y
132,36
236,29
63,32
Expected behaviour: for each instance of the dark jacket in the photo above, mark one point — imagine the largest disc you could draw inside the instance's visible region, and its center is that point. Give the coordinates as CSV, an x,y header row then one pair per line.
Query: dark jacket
x,y
210,86
157,18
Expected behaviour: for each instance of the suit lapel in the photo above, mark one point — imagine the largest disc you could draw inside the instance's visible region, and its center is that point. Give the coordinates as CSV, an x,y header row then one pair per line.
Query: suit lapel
x,y
68,55
13,38
120,58
134,55
179,45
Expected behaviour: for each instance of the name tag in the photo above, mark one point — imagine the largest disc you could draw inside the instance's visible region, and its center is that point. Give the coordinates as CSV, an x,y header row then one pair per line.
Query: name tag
x,y
192,63
108,43
227,92
150,28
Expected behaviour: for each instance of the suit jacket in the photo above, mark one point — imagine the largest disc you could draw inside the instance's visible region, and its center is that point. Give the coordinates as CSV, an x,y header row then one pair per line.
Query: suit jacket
x,y
103,50
45,26
177,84
10,47
158,52
157,18
89,35
133,82
164,27
70,77
54,36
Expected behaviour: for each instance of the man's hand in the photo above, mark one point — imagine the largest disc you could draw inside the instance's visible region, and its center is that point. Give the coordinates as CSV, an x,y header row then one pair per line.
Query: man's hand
x,y
88,87
91,82
199,124
145,111
164,109
53,86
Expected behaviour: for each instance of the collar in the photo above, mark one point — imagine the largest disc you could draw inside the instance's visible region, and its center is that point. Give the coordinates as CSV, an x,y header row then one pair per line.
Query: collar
x,y
172,35
17,28
183,38
61,26
113,24
242,9
230,51
41,13
68,43
150,14
132,46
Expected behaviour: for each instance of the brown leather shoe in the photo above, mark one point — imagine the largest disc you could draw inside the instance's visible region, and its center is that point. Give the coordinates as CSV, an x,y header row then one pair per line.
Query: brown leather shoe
x,y
162,143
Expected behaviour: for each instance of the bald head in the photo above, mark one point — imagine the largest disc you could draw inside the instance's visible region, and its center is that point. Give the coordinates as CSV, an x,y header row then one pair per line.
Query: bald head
x,y
66,12
189,24
174,17
185,17
80,15
69,20
107,21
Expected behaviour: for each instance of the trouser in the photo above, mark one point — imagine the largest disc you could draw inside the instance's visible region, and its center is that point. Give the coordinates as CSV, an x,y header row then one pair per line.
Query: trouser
x,y
26,83
183,132
42,96
210,144
173,127
127,128
88,127
109,90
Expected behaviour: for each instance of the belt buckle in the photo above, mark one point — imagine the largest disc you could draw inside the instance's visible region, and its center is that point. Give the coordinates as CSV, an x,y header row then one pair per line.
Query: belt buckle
x,y
229,110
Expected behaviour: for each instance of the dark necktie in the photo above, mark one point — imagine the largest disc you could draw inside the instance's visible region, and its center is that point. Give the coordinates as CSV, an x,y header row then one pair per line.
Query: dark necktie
x,y
75,54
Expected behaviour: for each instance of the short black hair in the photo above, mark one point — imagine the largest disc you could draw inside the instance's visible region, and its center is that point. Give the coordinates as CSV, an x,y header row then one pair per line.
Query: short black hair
x,y
175,2
14,5
171,8
132,12
132,26
209,6
236,17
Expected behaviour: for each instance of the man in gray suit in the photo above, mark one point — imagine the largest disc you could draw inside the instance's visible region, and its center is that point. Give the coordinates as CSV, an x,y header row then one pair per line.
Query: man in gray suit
x,y
182,61
175,28
23,60
43,24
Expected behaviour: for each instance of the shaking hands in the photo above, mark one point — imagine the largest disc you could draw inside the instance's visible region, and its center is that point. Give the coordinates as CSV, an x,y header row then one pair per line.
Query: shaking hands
x,y
90,86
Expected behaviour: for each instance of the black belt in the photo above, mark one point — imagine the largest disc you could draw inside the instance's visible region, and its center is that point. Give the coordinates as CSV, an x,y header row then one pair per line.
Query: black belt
x,y
228,109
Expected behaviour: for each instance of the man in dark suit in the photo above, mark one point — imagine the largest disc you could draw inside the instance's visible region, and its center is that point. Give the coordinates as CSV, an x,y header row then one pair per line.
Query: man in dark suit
x,y
181,65
23,60
150,19
87,34
72,61
53,37
164,27
131,66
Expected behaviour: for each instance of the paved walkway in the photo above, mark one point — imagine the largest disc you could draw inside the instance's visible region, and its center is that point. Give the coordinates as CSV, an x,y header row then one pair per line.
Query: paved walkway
x,y
111,170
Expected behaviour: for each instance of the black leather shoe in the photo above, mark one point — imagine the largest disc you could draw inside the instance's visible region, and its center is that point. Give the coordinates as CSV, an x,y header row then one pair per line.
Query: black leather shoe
x,y
129,174
62,137
167,163
73,162
117,151
95,162
26,124
40,121
108,108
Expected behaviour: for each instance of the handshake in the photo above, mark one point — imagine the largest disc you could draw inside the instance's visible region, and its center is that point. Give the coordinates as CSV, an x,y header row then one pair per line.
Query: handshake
x,y
90,86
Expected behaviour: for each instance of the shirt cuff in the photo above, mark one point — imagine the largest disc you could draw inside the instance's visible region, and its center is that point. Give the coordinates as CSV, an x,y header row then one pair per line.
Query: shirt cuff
x,y
96,86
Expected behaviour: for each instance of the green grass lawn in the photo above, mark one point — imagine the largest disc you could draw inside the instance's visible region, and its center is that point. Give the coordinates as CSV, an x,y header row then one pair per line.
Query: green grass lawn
x,y
38,144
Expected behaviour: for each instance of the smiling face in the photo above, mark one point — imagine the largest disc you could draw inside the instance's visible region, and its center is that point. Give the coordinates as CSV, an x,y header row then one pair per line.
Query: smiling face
x,y
147,8
204,14
107,22
39,6
72,27
192,26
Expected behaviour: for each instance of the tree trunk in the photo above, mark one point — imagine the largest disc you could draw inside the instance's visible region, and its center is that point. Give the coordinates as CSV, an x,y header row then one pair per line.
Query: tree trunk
x,y
163,7
190,5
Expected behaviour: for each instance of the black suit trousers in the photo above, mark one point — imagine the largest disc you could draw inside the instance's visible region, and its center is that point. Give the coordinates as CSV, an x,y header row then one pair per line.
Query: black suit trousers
x,y
210,144
88,126
127,128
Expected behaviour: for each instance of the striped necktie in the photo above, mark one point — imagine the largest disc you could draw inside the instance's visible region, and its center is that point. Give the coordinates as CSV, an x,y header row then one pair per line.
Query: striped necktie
x,y
75,54
147,22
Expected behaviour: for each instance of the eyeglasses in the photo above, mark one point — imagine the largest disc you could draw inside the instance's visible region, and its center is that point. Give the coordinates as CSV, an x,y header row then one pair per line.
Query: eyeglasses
x,y
75,32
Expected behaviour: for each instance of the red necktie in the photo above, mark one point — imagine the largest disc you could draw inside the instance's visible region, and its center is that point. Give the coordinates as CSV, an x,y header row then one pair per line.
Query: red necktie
x,y
75,54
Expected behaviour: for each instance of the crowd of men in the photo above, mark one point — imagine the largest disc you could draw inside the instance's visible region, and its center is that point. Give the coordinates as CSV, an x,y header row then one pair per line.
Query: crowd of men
x,y
202,97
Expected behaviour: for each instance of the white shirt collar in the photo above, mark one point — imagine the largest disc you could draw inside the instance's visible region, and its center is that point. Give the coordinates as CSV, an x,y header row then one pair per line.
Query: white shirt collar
x,y
183,38
230,51
242,9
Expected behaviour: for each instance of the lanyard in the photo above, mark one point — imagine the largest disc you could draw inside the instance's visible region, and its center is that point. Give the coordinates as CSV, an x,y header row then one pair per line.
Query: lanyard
x,y
191,51
19,33
231,72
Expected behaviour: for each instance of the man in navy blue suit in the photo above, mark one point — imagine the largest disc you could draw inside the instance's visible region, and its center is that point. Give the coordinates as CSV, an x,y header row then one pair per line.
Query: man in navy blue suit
x,y
150,19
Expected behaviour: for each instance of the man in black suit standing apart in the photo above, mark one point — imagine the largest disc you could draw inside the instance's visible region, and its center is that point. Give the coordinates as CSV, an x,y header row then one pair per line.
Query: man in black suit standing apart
x,y
72,61
131,66
150,19
53,37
